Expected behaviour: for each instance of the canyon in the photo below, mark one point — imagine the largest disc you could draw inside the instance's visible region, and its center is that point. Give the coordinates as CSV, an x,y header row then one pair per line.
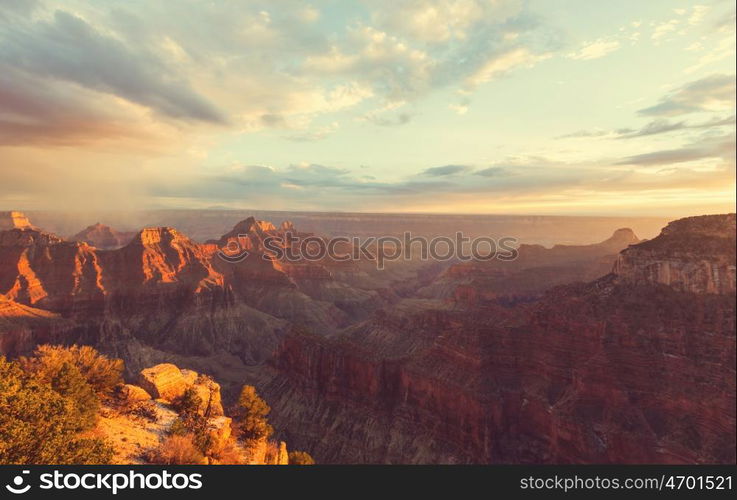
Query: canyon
x,y
621,351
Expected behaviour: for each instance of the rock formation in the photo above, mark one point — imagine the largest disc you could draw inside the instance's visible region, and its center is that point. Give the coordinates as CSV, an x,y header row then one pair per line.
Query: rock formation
x,y
696,254
615,370
535,269
13,220
103,237
488,362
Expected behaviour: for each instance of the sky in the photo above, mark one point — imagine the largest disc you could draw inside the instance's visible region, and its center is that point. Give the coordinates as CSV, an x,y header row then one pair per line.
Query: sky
x,y
567,107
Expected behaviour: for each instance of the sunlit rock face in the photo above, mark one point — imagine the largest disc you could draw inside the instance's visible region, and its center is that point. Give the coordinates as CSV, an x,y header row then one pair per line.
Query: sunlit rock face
x,y
696,254
13,220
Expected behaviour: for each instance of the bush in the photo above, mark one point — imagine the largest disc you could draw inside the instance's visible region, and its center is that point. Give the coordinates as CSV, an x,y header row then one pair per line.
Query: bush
x,y
188,404
230,454
250,415
70,383
195,426
300,458
38,425
102,373
176,450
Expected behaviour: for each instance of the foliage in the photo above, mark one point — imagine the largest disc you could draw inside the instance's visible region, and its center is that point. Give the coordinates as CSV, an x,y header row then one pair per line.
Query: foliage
x,y
230,454
188,404
101,372
38,425
191,422
300,458
177,450
70,383
250,415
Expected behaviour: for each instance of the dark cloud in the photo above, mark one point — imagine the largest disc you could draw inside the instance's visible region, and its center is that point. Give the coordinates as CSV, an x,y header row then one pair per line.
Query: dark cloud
x,y
67,48
696,96
446,170
34,112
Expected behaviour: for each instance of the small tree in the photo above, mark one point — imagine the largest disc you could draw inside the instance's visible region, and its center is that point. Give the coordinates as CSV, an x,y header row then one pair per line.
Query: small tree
x,y
300,458
250,415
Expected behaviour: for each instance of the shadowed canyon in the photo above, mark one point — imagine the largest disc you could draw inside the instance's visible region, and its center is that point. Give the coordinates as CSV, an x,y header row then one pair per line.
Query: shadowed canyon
x,y
613,345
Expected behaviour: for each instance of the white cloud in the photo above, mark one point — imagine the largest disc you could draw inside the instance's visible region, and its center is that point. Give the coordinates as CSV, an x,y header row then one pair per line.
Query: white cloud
x,y
594,50
664,28
697,14
497,66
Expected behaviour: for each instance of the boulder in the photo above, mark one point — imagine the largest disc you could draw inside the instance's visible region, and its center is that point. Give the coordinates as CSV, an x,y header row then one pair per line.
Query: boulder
x,y
164,381
133,393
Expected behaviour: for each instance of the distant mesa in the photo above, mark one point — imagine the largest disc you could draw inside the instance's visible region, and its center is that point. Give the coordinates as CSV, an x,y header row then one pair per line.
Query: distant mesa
x,y
256,229
14,220
103,237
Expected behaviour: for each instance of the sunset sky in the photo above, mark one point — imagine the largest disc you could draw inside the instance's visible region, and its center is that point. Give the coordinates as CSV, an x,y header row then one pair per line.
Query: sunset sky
x,y
468,106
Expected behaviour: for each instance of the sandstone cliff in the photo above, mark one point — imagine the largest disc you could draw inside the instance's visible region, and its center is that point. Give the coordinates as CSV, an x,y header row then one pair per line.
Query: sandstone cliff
x,y
606,372
696,254
637,366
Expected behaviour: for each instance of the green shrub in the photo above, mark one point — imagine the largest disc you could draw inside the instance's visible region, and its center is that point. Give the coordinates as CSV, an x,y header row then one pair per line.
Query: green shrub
x,y
102,373
70,383
38,425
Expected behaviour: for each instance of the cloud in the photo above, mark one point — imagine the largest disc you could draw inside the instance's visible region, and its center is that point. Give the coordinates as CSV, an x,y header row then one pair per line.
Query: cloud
x,y
697,14
445,170
663,29
314,134
67,48
493,172
594,50
712,93
436,21
711,148
501,64
252,66
664,126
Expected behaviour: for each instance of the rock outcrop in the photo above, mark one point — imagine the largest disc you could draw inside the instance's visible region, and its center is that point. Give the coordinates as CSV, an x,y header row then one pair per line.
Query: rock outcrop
x,y
167,382
164,381
14,220
696,254
133,393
